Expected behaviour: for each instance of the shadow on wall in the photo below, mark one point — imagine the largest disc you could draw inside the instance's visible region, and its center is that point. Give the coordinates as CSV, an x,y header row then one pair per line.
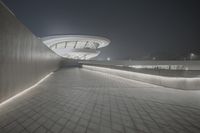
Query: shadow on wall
x,y
69,63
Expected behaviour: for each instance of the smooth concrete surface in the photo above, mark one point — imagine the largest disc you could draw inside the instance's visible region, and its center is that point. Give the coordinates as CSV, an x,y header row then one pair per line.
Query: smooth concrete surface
x,y
69,63
167,81
189,64
78,100
158,72
24,59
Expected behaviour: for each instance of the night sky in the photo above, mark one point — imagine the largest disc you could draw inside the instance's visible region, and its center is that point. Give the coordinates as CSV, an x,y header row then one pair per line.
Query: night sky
x,y
138,29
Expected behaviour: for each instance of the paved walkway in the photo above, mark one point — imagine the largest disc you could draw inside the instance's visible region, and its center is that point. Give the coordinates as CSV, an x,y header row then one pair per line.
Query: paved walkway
x,y
83,101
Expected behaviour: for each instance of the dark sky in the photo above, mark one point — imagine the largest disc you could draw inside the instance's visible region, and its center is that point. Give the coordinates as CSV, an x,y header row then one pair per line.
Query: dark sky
x,y
138,29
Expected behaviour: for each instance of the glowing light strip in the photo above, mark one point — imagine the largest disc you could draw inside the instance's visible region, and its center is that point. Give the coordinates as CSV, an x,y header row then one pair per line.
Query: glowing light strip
x,y
123,78
142,74
25,91
183,83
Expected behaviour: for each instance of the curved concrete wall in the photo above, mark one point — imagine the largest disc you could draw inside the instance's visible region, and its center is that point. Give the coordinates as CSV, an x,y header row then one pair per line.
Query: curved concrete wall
x,y
189,64
159,72
24,59
171,82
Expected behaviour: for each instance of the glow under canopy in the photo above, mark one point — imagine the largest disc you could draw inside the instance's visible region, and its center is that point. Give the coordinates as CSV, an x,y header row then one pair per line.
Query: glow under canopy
x,y
76,46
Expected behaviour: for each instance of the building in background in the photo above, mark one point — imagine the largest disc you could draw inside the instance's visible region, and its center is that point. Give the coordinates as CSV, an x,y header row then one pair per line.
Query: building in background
x,y
80,47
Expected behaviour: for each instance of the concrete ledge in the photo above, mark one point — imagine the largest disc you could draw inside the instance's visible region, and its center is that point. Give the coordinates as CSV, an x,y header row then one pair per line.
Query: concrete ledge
x,y
171,82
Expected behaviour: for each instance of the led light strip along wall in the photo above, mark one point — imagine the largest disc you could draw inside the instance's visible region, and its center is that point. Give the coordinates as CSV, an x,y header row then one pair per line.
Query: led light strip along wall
x,y
25,91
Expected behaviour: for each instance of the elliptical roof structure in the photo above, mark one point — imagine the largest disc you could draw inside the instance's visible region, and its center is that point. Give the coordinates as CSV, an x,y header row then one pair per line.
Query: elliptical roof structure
x,y
80,47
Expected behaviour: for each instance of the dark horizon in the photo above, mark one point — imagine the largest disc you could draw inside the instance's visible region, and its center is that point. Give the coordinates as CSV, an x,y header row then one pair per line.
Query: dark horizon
x,y
137,29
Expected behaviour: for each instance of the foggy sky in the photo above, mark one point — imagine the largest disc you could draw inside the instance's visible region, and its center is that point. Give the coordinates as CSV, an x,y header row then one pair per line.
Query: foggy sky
x,y
137,29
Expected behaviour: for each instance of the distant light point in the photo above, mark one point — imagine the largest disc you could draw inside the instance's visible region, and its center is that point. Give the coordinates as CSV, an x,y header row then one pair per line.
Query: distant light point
x,y
108,59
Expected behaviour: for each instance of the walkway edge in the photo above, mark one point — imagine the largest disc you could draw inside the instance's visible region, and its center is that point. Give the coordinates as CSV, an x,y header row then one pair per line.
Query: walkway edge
x,y
25,91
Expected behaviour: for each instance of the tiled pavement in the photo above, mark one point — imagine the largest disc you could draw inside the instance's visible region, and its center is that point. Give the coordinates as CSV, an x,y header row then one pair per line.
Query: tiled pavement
x,y
82,101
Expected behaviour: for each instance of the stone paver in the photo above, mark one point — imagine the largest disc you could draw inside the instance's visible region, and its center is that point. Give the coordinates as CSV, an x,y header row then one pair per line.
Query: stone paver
x,y
83,101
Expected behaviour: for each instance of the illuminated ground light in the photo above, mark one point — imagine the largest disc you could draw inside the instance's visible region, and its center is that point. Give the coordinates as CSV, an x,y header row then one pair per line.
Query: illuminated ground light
x,y
25,91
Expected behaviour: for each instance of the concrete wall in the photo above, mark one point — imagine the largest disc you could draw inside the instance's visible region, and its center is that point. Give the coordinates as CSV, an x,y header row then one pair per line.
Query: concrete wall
x,y
65,63
189,64
24,59
159,72
171,82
